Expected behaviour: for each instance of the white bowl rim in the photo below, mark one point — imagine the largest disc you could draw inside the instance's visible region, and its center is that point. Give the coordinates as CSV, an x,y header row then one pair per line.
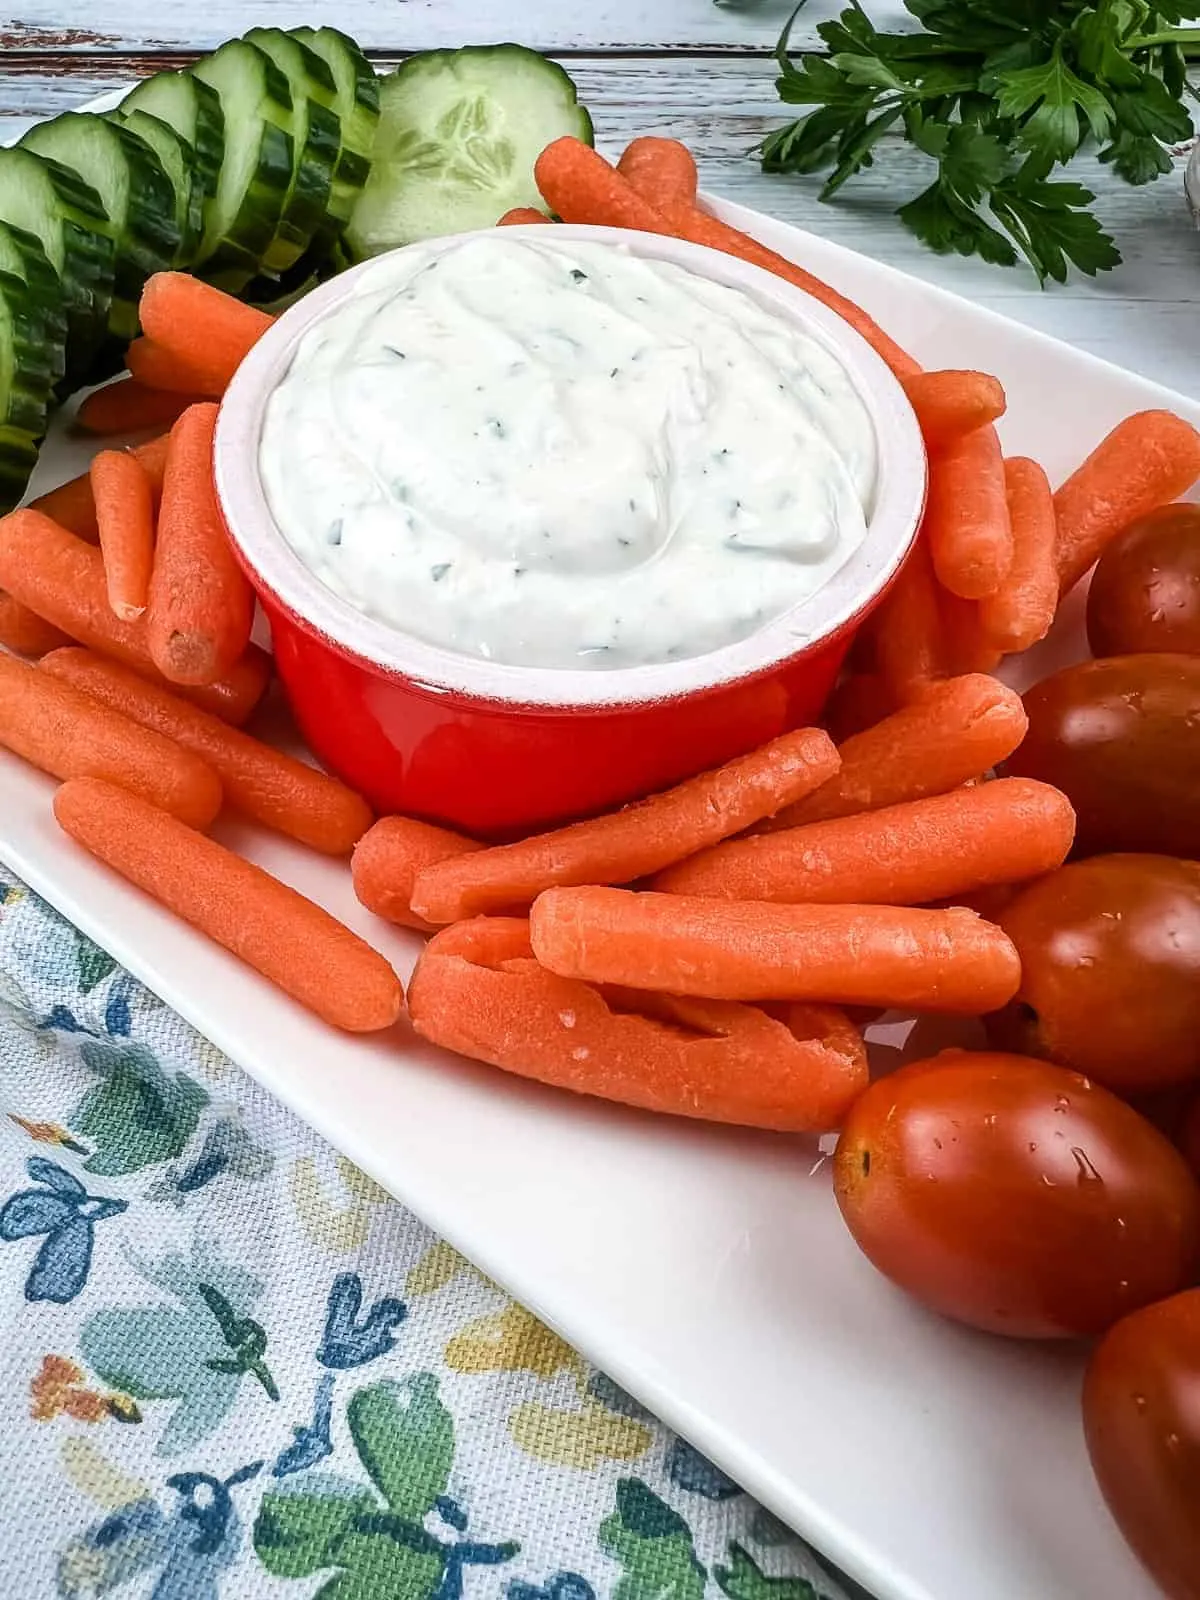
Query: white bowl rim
x,y
898,506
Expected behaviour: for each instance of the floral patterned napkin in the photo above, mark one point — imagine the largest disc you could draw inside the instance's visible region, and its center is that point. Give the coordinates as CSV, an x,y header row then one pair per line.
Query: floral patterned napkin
x,y
232,1368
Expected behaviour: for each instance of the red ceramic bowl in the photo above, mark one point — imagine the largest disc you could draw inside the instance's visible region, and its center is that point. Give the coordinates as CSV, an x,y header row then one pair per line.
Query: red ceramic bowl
x,y
497,750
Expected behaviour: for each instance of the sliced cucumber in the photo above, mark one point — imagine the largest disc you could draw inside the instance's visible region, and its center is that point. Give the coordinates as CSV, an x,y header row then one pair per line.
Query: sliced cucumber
x,y
48,200
135,191
357,88
193,109
22,257
18,457
458,136
317,137
256,170
176,158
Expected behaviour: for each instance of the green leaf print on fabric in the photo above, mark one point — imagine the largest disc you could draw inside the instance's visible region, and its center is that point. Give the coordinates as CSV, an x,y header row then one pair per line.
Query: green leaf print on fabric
x,y
405,1439
743,1579
137,1115
653,1544
94,964
297,1531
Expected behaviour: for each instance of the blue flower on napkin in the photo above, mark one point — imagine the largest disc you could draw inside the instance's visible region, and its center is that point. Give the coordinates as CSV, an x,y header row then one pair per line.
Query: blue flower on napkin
x,y
64,1212
348,1342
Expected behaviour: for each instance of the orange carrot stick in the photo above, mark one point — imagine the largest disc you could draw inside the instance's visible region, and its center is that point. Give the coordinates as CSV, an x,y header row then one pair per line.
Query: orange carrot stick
x,y
477,990
24,631
261,782
63,731
1022,610
966,519
288,939
124,499
746,950
663,171
905,855
519,216
61,578
127,406
580,186
957,731
1146,461
73,506
629,844
201,605
966,646
155,367
906,630
388,858
950,404
200,325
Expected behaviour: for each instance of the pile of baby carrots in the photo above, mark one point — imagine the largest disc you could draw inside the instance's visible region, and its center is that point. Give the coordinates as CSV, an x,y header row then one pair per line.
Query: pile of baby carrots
x,y
693,953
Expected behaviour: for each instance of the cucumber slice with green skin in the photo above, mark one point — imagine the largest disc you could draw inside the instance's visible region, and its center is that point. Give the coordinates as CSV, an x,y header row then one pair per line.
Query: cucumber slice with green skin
x,y
18,457
357,86
26,370
135,192
48,200
459,133
317,132
175,157
244,215
193,110
22,257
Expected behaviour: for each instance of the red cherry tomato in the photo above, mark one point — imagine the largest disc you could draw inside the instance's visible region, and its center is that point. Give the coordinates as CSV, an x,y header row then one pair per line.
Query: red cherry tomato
x,y
1141,1416
1015,1195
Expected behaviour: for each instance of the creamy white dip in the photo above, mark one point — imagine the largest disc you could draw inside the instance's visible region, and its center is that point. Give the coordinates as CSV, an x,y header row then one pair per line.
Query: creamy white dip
x,y
562,455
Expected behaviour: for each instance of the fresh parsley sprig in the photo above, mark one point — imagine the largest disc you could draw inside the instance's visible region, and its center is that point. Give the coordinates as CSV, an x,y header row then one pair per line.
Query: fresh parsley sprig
x,y
999,93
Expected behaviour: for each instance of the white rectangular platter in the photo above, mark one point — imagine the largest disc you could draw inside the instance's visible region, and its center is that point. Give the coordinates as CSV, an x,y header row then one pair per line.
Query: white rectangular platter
x,y
705,1270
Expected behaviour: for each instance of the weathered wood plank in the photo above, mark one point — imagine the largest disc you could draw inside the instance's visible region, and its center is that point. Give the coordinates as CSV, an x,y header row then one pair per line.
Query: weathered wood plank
x,y
1141,316
412,24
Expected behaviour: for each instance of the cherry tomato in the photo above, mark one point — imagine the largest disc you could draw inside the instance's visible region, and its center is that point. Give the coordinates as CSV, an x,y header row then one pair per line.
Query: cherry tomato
x,y
1141,1417
1121,739
1015,1195
1110,971
1145,592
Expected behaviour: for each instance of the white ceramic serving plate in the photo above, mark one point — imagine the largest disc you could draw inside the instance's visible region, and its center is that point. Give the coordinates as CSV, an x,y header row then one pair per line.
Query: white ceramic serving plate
x,y
705,1270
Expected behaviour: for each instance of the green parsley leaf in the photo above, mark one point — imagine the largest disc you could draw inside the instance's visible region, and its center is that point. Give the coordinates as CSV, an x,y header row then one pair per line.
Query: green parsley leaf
x,y
1054,108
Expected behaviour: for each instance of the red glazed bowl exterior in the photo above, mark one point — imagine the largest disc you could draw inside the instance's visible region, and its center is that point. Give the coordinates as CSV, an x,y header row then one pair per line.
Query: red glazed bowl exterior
x,y
464,743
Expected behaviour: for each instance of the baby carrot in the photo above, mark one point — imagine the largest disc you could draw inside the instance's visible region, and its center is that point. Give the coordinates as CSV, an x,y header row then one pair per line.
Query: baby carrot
x,y
628,844
128,406
477,990
1146,461
580,186
1022,609
125,516
905,855
663,171
912,960
200,325
283,936
520,215
966,519
60,577
63,731
388,858
906,629
261,782
155,367
73,506
950,404
201,605
958,730
24,631
965,644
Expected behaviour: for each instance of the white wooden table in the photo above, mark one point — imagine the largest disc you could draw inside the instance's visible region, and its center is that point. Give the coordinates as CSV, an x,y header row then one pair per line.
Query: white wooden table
x,y
692,68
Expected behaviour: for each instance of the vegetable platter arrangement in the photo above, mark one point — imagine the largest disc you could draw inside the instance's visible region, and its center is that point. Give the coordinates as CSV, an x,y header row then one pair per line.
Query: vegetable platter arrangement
x,y
940,847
